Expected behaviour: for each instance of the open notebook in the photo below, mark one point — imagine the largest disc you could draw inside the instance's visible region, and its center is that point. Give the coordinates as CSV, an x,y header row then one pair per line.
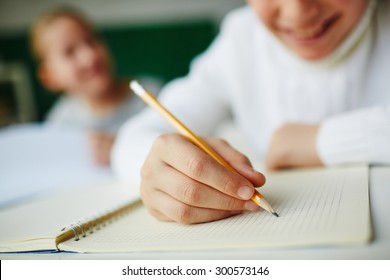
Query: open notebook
x,y
316,206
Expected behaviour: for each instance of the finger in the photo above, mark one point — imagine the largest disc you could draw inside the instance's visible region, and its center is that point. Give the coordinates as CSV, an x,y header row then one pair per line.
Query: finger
x,y
184,156
194,193
237,160
186,214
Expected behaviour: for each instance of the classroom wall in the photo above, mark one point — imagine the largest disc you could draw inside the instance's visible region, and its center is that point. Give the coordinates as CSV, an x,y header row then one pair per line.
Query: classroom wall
x,y
145,37
163,51
17,14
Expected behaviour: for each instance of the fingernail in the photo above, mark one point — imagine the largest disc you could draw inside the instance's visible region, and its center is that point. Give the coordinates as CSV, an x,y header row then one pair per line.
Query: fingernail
x,y
251,206
245,192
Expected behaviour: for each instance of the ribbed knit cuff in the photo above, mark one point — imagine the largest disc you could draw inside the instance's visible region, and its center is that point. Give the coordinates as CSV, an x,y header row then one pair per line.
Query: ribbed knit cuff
x,y
361,136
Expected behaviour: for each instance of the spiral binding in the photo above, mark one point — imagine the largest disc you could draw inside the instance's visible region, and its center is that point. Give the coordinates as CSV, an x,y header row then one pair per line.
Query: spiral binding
x,y
83,228
76,234
90,227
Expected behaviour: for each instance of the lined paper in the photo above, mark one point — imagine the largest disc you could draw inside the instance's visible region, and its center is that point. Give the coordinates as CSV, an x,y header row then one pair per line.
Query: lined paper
x,y
316,207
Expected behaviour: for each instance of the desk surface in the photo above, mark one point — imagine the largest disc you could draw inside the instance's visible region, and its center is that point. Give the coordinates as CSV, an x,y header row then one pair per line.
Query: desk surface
x,y
75,155
379,248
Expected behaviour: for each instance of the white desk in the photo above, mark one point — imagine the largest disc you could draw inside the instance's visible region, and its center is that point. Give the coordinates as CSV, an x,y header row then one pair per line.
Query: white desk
x,y
36,160
379,248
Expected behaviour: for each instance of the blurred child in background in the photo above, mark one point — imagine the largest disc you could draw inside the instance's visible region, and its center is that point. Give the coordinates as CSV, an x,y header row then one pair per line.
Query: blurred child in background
x,y
73,60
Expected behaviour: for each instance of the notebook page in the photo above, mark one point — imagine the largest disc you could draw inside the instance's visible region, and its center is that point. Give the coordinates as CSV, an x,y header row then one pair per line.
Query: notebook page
x,y
316,206
29,226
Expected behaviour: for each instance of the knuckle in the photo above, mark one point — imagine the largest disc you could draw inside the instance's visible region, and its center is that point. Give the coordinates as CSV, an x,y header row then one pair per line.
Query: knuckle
x,y
196,165
243,159
232,204
161,141
184,214
224,142
191,194
228,184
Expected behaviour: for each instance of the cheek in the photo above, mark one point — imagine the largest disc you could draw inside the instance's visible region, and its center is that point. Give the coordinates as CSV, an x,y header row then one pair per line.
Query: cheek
x,y
352,9
355,13
66,74
266,11
103,57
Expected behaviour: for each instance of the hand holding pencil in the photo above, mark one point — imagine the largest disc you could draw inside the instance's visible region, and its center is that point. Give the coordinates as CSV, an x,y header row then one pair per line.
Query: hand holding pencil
x,y
185,180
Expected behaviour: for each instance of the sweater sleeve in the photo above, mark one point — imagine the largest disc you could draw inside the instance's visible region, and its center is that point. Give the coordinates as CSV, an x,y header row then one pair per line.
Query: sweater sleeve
x,y
358,136
199,100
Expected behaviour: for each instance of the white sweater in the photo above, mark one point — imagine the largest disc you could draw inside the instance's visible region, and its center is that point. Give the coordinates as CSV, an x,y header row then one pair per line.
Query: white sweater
x,y
248,73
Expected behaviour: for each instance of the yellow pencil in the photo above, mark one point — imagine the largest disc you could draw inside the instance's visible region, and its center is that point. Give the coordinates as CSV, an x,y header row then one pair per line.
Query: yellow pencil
x,y
149,99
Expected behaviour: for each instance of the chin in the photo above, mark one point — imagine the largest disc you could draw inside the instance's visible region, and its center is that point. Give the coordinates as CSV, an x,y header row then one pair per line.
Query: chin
x,y
312,55
310,50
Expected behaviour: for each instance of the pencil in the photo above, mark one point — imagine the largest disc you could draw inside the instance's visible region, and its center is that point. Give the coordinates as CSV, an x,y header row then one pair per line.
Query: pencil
x,y
149,99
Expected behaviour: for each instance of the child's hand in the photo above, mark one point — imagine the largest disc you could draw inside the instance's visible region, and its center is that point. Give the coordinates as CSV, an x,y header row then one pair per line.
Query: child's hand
x,y
101,144
181,183
293,145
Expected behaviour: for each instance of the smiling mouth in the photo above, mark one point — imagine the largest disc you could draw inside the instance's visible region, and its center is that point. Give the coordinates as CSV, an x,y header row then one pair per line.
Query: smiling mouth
x,y
309,35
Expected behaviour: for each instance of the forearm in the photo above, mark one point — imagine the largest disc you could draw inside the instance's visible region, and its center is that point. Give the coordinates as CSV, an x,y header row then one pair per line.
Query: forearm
x,y
353,137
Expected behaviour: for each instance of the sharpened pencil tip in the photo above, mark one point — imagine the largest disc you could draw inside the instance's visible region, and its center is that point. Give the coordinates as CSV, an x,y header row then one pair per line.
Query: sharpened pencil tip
x,y
275,214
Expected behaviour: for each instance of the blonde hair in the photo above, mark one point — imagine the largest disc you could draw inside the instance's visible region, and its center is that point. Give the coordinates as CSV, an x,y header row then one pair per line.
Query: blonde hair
x,y
49,17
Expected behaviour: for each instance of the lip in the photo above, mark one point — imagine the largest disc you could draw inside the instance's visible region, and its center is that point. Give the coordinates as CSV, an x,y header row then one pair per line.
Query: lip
x,y
315,34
